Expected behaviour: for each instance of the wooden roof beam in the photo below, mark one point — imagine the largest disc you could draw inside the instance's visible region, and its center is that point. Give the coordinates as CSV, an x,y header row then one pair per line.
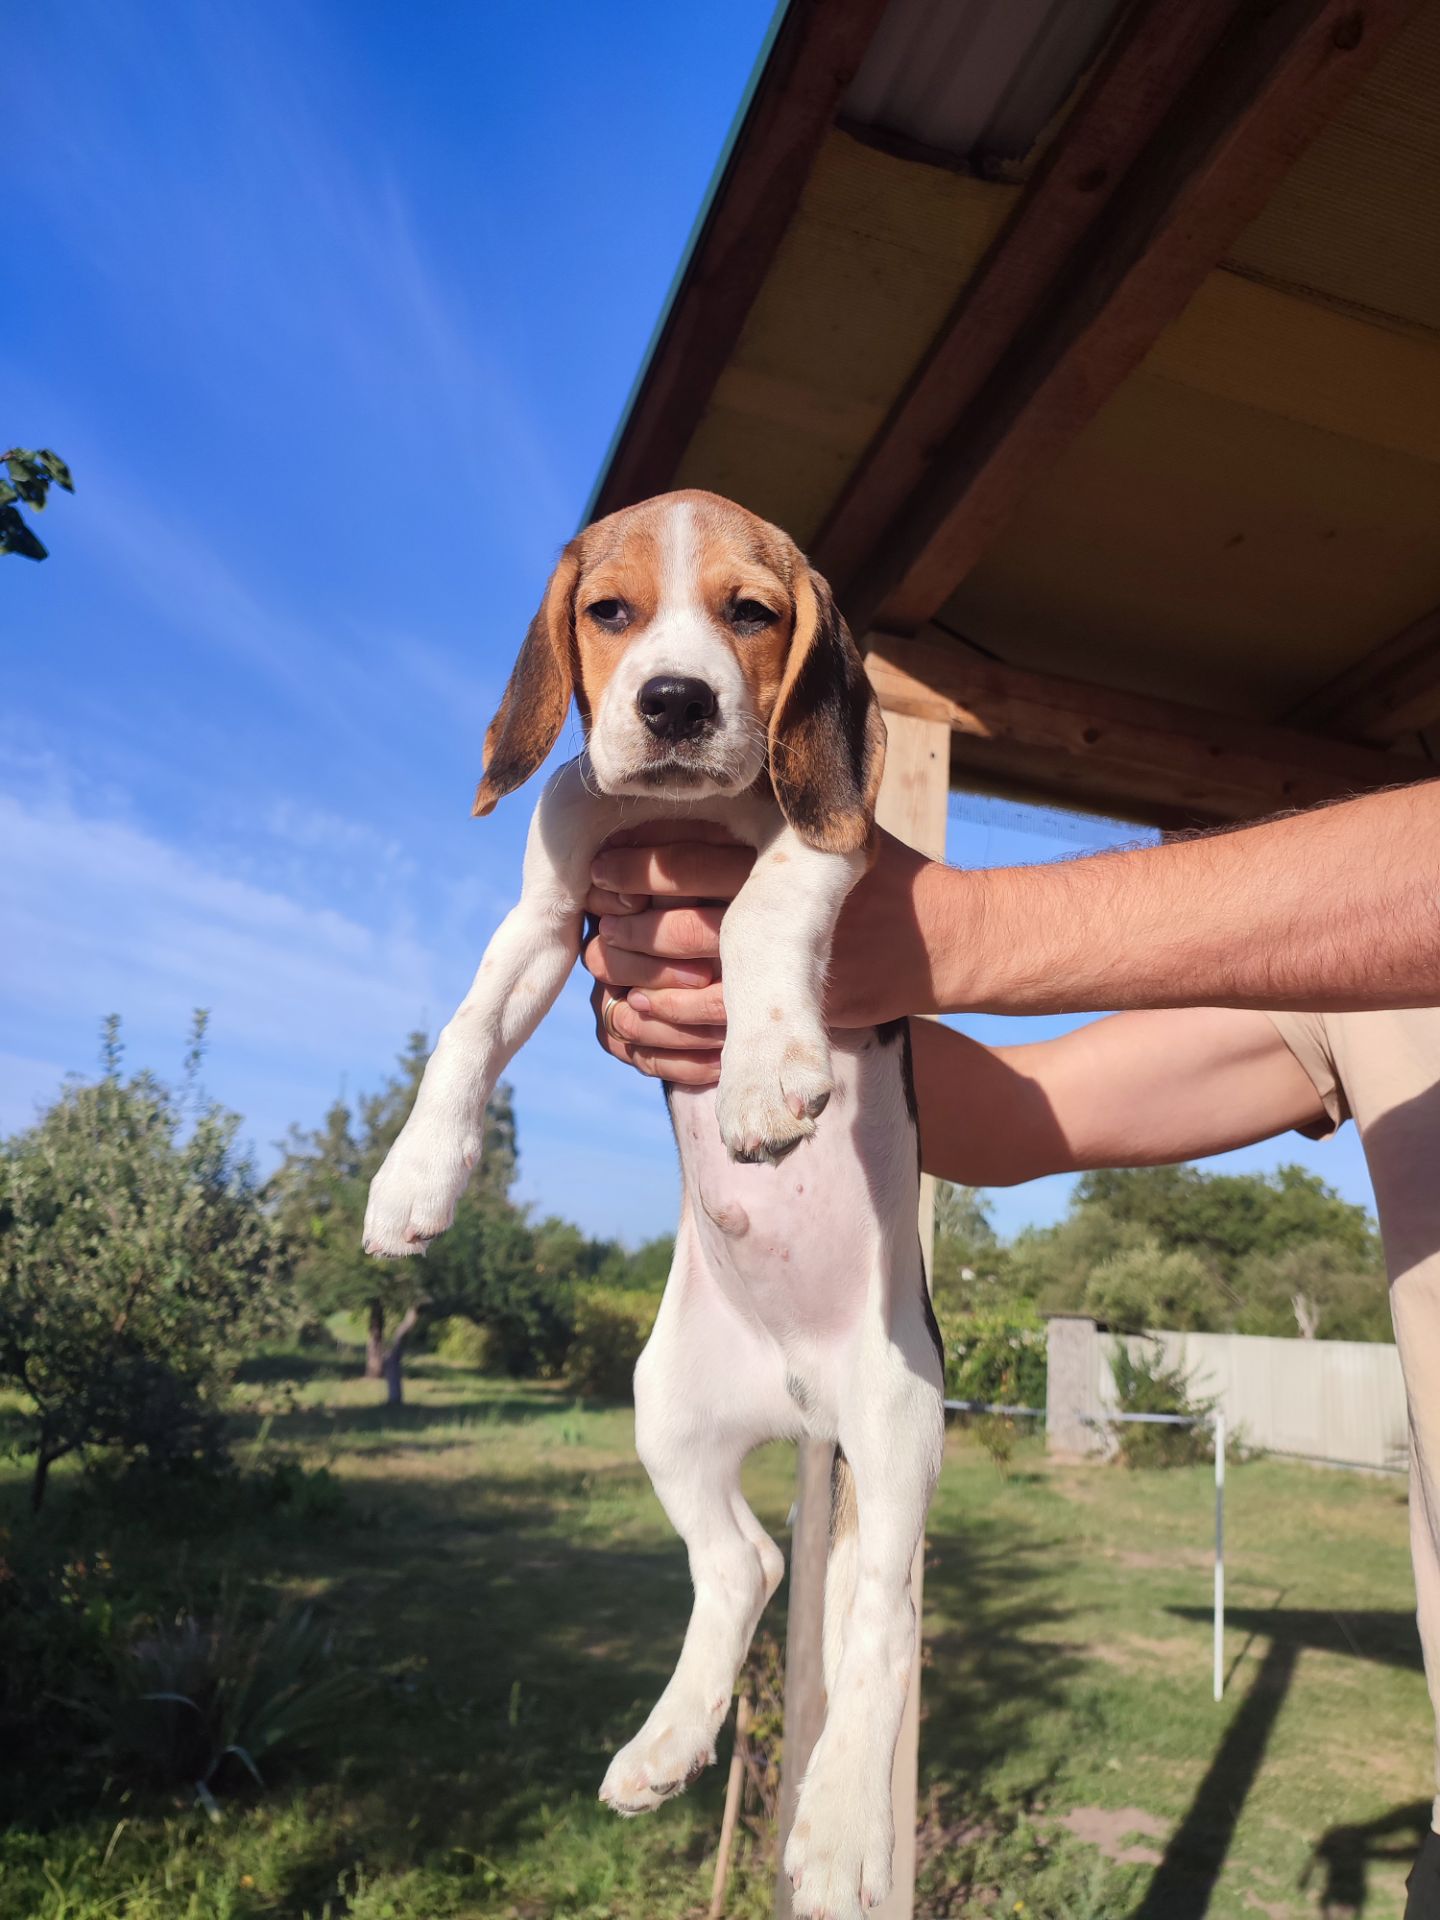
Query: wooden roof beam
x,y
1223,146
1392,692
1143,758
816,55
1157,52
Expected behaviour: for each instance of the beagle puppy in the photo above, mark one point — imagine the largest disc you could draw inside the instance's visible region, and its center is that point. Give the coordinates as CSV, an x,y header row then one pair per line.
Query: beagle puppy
x,y
715,679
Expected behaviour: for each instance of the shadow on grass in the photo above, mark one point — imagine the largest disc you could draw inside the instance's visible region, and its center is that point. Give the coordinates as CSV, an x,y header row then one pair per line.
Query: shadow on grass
x,y
509,1631
299,1365
1344,1853
993,1658
1184,1882
299,1424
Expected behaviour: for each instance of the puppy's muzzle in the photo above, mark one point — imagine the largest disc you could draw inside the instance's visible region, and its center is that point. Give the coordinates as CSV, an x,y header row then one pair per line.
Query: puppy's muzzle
x,y
675,707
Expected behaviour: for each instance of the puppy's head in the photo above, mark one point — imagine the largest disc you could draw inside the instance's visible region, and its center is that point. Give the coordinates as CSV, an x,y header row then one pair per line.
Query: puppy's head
x,y
703,652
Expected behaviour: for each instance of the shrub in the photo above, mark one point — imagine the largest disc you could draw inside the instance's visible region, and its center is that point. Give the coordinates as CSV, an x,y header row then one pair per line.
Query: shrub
x,y
464,1344
200,1697
999,1359
58,1623
1145,1286
136,1264
610,1330
1144,1384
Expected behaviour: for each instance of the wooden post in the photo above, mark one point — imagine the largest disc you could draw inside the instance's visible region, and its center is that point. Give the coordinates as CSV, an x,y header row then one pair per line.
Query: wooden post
x,y
804,1640
913,805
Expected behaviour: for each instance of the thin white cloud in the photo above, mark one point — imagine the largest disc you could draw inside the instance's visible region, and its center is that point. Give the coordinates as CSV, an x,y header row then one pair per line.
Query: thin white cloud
x,y
100,914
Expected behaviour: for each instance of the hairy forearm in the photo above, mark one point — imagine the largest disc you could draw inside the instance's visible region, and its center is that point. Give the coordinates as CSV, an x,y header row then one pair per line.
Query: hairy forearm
x,y
984,1122
1138,1089
1334,910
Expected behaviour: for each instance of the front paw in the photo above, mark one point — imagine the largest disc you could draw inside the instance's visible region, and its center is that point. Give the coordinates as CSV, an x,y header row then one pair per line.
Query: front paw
x,y
414,1195
770,1097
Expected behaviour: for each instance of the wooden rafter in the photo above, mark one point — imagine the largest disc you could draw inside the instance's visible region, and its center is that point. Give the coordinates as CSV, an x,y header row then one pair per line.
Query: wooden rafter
x,y
1121,109
1226,141
815,57
1144,758
1391,692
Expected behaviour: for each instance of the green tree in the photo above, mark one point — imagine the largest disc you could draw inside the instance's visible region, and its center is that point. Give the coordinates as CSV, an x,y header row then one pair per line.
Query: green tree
x,y
1052,1265
1225,1218
969,1267
1148,1286
963,1214
1180,1247
31,474
644,1271
1316,1289
494,1266
136,1266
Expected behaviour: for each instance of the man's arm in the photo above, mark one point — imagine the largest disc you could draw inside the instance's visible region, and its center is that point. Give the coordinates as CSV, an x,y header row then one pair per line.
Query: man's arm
x,y
1333,910
1139,1089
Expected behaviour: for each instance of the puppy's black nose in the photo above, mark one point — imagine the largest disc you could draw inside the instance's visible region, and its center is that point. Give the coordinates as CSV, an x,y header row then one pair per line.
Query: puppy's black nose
x,y
675,708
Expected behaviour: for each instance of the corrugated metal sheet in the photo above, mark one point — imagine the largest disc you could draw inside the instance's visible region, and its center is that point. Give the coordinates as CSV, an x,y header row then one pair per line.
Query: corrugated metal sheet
x,y
977,79
1337,1402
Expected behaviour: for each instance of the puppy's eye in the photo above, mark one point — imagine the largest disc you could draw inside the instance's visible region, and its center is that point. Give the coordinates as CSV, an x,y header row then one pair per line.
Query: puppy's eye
x,y
613,615
751,616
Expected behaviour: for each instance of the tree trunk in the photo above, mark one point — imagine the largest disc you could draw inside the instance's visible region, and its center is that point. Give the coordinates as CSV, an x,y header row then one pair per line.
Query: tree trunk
x,y
37,1484
395,1357
375,1343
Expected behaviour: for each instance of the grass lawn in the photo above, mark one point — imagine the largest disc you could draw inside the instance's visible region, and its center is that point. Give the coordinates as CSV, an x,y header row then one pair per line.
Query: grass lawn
x,y
510,1598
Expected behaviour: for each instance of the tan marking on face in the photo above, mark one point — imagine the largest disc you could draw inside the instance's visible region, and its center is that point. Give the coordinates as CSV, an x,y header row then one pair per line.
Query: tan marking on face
x,y
736,556
619,560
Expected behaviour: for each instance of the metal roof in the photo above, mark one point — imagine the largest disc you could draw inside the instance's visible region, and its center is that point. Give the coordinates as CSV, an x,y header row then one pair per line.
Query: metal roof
x,y
979,80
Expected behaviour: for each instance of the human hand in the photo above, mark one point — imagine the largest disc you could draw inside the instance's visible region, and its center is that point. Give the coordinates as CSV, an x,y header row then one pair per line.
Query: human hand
x,y
664,939
658,897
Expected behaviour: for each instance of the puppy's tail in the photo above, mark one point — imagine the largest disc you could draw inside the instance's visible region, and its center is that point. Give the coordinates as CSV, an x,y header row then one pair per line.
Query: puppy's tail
x,y
842,1566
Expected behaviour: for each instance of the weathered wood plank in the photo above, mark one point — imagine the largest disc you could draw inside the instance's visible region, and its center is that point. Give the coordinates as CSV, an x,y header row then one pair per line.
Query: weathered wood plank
x,y
1256,102
1033,726
1391,692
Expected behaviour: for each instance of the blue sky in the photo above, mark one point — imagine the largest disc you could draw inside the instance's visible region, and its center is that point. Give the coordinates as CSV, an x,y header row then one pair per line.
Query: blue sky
x,y
332,308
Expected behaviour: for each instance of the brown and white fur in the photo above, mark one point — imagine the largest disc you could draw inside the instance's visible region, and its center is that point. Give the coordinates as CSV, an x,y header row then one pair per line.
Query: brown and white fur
x,y
796,1305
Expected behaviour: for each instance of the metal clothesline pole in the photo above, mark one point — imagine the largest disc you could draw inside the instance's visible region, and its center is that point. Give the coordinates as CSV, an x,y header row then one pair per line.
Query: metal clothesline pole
x,y
1216,1421
1219,1424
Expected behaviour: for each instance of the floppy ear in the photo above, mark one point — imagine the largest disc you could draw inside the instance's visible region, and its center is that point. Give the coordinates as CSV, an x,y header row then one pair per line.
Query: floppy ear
x,y
538,696
827,737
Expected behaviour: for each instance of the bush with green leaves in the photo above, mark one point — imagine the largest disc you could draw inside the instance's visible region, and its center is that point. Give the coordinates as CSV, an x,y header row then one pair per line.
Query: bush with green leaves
x,y
203,1698
495,1267
611,1328
137,1266
1145,1384
31,471
1146,1286
463,1344
999,1359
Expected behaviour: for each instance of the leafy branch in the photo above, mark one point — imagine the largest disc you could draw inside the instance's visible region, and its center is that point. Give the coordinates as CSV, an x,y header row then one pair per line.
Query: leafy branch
x,y
31,475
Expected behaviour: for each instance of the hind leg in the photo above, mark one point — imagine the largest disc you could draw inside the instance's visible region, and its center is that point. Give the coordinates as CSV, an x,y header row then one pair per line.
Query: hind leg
x,y
892,1433
707,1390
